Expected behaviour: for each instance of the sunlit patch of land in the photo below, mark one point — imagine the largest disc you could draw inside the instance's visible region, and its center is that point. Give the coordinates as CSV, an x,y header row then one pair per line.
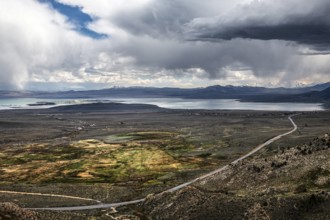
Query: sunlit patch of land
x,y
144,157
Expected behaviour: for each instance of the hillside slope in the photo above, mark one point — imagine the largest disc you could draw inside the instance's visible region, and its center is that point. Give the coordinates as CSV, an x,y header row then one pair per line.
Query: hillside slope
x,y
293,184
309,97
211,92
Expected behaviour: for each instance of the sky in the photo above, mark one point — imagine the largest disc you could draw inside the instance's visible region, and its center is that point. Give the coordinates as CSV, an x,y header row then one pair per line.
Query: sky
x,y
84,44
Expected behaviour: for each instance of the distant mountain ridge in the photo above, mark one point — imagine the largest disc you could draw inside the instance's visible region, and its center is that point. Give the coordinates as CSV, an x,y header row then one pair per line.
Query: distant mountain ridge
x,y
317,93
320,87
322,96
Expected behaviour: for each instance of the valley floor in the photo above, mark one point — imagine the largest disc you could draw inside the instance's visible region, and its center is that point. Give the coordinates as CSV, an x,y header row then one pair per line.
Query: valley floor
x,y
119,156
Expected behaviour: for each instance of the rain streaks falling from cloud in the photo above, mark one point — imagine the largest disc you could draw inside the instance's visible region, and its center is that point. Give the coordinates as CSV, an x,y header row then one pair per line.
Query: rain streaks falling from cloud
x,y
186,43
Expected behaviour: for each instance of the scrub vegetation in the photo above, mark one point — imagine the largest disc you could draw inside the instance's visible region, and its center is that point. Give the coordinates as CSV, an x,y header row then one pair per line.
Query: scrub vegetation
x,y
113,157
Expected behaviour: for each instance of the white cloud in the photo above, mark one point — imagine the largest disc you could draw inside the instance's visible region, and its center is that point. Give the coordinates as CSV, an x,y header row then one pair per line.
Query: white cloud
x,y
35,39
147,45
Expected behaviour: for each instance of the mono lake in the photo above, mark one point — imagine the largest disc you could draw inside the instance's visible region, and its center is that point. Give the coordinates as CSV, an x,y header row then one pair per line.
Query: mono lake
x,y
171,103
222,104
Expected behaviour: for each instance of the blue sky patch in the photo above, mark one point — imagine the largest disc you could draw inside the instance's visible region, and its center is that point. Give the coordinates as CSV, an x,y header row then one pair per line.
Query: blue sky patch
x,y
77,17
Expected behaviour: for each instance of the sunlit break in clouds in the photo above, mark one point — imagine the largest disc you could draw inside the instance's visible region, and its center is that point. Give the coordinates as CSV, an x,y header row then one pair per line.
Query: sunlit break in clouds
x,y
83,44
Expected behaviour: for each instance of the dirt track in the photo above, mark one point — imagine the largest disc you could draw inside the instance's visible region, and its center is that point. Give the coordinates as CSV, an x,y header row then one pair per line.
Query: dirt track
x,y
109,205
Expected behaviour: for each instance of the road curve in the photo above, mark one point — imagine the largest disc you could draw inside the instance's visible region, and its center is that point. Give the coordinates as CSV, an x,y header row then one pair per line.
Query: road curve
x,y
109,205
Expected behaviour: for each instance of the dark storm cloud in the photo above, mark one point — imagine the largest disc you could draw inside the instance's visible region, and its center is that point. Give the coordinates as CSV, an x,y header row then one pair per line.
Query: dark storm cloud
x,y
162,18
255,36
158,19
264,58
316,35
309,25
162,42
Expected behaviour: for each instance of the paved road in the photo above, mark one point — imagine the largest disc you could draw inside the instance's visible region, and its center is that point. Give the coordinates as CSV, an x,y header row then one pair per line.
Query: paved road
x,y
259,147
50,195
109,205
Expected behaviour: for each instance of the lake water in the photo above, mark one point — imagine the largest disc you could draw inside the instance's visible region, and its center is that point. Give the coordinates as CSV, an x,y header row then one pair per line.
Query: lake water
x,y
171,103
14,103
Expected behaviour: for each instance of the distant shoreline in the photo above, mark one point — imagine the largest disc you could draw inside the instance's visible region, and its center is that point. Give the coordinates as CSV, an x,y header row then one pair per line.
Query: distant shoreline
x,y
160,103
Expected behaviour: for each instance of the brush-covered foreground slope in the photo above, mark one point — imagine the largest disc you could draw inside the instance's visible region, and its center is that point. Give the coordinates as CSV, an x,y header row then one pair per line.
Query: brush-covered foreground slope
x,y
9,211
294,183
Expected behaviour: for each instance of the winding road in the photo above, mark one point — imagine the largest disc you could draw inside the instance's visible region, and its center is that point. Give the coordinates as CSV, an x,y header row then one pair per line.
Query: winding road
x,y
50,195
109,205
